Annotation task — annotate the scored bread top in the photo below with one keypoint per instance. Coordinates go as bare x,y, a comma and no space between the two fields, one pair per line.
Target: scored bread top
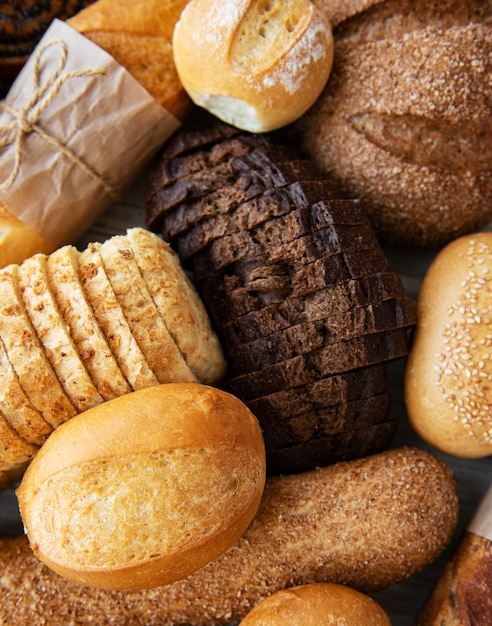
91,343
179,304
144,319
16,406
54,334
112,320
26,353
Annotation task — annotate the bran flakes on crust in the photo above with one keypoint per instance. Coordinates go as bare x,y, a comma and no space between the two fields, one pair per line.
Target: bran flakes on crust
26,354
110,317
92,346
179,304
54,334
143,317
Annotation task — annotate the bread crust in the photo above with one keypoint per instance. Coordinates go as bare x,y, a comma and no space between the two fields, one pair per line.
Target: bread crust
179,305
54,334
26,354
256,66
110,317
340,524
397,149
91,343
323,604
146,323
178,469
448,373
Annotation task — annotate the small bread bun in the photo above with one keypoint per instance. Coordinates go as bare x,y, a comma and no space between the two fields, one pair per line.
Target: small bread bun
18,241
255,64
323,604
449,370
145,489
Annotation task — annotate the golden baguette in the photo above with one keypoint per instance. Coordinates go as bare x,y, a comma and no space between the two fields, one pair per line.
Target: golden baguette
367,523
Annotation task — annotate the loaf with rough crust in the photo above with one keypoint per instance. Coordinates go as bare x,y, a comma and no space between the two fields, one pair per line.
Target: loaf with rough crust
367,523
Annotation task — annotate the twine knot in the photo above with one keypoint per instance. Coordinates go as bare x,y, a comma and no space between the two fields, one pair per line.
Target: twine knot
26,119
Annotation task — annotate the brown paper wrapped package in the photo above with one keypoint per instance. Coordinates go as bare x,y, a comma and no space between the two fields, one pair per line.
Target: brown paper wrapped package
138,36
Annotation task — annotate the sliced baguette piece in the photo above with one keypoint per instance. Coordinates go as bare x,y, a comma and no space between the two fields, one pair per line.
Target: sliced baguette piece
54,333
26,354
112,320
15,452
16,406
144,319
179,304
92,346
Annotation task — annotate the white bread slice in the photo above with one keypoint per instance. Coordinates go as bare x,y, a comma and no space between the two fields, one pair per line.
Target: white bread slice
92,346
144,319
111,319
16,407
54,334
179,304
15,451
26,354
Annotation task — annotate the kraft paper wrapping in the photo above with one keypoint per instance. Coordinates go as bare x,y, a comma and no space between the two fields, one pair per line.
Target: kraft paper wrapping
481,523
75,130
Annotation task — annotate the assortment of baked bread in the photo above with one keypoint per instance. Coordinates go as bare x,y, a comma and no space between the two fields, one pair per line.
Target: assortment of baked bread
79,328
198,411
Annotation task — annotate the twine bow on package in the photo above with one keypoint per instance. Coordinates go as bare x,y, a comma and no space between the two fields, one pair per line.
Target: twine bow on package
76,128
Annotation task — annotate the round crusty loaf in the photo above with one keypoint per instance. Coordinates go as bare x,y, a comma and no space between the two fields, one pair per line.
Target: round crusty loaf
323,604
143,490
449,370
256,65
404,120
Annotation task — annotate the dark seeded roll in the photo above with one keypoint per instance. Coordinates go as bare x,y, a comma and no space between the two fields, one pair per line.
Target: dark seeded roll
298,288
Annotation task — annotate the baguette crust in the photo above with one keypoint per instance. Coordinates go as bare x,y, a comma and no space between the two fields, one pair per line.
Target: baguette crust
367,523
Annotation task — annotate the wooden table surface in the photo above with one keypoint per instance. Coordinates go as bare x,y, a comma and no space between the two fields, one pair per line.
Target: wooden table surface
473,477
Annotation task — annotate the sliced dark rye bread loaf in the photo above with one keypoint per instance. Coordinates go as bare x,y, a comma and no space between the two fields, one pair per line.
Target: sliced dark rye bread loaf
254,219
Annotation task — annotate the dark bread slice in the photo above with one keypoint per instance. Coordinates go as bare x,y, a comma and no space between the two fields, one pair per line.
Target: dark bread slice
316,423
322,393
268,245
273,208
360,322
329,304
228,302
343,356
248,286
331,449
258,151
236,171
189,213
